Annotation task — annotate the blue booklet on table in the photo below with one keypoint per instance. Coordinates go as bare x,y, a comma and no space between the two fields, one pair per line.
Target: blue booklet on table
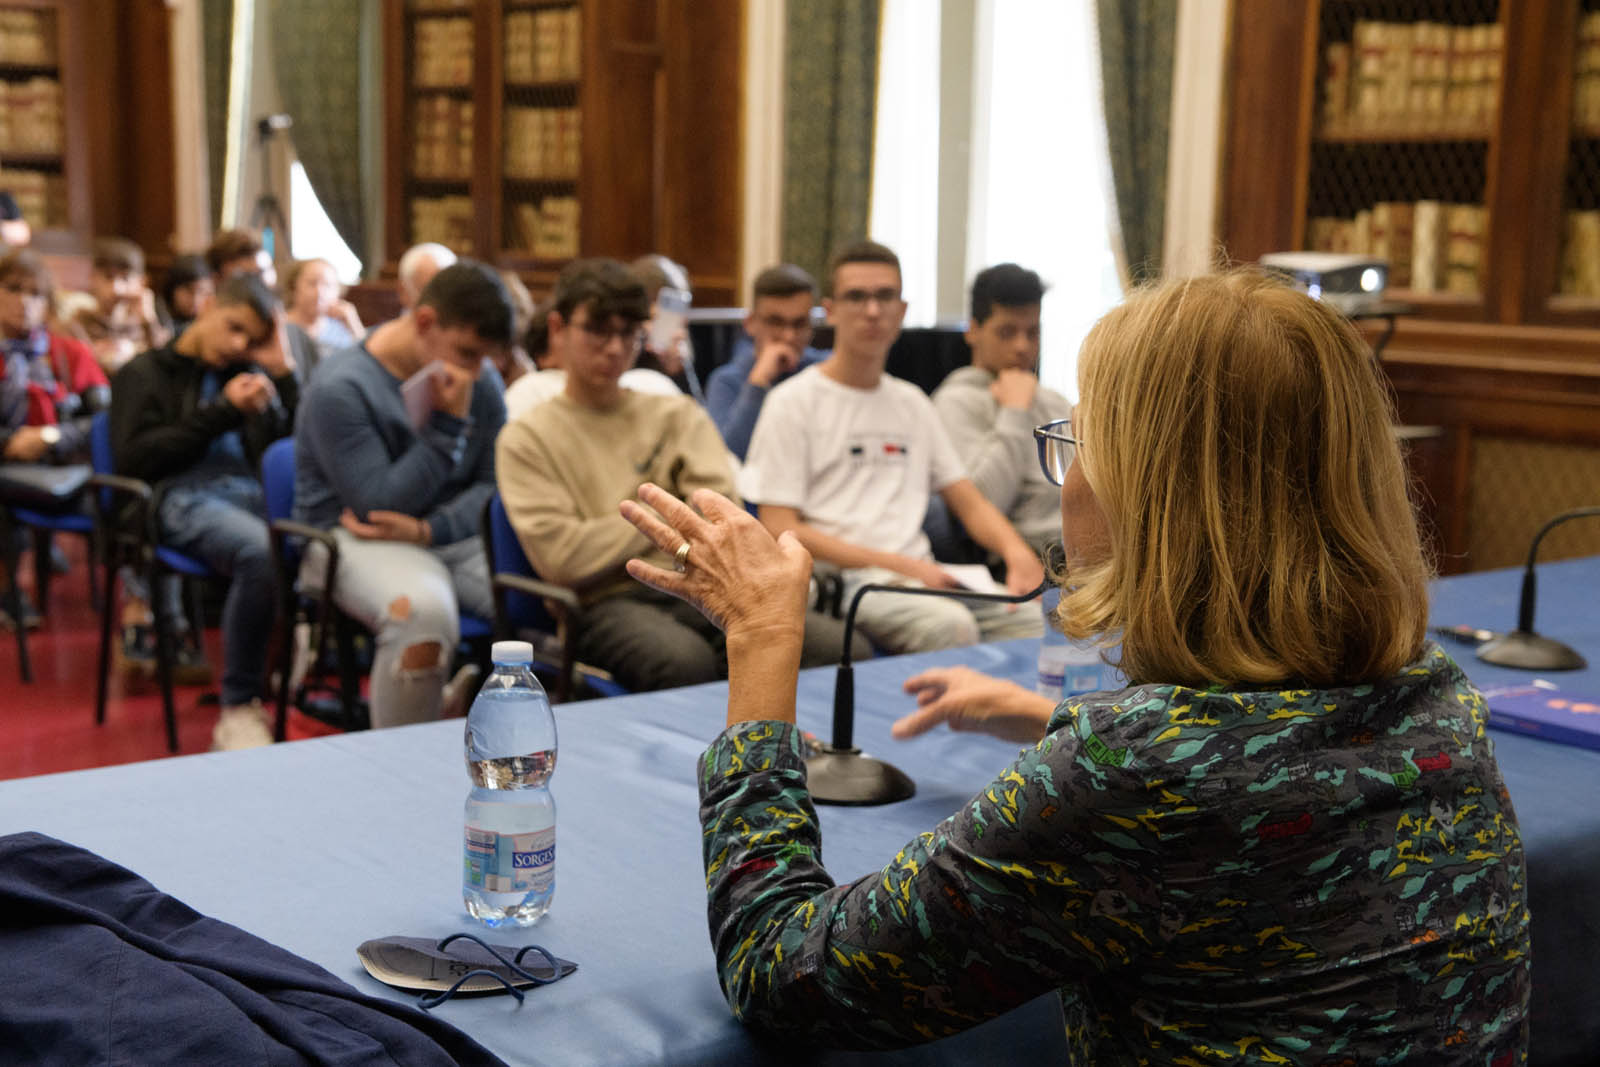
1540,711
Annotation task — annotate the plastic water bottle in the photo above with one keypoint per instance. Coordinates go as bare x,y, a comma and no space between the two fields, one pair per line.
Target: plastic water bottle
1066,667
509,874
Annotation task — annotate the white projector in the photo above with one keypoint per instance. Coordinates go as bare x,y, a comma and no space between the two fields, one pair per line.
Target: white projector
1351,283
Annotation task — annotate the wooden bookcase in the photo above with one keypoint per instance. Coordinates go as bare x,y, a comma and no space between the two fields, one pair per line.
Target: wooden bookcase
43,150
528,132
1514,361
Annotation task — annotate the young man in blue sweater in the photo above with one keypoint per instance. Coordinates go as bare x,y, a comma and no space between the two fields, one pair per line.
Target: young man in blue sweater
778,347
401,473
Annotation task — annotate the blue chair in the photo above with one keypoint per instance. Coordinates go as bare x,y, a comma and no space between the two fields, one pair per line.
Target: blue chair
527,606
289,539
125,510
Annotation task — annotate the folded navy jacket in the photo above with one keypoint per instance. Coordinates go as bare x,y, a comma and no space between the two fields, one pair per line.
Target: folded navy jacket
99,966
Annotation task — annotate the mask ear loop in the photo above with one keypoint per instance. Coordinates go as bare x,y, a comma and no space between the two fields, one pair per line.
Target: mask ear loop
432,1000
514,962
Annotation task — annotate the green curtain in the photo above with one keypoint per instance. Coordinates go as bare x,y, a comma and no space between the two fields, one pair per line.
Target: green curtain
1136,57
216,28
316,50
829,110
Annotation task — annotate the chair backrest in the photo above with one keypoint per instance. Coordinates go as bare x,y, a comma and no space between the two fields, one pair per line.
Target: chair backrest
277,478
506,557
100,444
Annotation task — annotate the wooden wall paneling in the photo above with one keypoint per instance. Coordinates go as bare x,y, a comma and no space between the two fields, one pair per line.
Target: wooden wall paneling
620,100
1527,156
1271,82
702,119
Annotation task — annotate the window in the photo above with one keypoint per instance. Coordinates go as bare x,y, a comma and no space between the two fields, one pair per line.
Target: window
1039,188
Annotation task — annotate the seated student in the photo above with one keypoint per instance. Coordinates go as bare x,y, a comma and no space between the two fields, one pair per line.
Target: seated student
404,499
666,344
240,251
1233,860
119,318
549,376
513,361
50,384
777,346
60,386
845,456
564,466
991,407
192,419
314,300
187,290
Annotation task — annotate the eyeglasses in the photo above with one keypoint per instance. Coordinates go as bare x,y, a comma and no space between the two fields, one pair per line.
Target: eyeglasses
860,298
1057,447
630,334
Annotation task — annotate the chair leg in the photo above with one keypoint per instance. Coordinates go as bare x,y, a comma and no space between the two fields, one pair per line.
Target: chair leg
108,604
13,603
93,538
280,725
164,656
42,571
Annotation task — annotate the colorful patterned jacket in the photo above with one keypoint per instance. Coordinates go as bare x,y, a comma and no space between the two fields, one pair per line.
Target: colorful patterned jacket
1206,876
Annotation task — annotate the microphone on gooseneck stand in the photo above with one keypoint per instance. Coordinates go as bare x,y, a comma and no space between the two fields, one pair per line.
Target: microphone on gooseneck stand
1523,647
839,773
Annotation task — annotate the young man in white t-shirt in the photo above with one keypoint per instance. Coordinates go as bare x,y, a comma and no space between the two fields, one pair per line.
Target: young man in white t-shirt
846,457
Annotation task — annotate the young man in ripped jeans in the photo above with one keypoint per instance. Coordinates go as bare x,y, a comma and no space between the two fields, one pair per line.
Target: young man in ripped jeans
404,499
192,418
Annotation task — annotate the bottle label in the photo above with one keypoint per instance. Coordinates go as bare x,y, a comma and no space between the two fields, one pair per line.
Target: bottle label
510,863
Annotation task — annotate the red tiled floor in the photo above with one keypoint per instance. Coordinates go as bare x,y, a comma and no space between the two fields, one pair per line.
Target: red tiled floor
49,726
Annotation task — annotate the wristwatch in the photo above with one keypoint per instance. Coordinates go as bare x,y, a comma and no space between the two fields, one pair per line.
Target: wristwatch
50,435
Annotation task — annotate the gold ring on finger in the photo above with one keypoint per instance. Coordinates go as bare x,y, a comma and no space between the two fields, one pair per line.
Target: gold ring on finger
680,558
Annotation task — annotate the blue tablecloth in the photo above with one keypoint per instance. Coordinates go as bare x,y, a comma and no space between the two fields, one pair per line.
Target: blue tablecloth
319,845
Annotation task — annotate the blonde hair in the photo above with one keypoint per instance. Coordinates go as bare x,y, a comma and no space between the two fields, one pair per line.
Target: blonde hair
1237,436
291,277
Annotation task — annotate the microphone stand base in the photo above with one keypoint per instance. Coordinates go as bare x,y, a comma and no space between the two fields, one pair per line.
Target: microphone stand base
1530,652
844,776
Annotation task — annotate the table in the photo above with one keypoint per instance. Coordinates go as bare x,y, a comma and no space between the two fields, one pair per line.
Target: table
319,845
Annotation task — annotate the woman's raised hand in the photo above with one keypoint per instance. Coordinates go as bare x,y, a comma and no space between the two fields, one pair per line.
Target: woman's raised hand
737,574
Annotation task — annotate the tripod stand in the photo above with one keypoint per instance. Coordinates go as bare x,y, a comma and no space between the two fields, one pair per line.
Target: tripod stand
267,217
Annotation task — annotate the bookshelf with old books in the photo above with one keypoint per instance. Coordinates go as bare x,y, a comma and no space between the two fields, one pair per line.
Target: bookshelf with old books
528,132
42,158
1460,141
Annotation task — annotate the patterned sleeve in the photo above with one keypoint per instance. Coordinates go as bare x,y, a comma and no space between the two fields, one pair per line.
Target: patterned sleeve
1020,892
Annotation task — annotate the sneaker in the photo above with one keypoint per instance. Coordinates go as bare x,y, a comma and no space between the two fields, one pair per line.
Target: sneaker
136,652
189,665
241,726
458,690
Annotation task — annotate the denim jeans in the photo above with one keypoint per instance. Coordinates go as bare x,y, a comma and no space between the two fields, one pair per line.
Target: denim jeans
407,595
222,522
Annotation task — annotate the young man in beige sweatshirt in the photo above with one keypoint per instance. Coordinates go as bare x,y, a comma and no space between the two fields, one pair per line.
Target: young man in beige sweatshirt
565,465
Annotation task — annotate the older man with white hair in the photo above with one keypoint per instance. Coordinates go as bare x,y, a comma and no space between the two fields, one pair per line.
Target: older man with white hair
417,268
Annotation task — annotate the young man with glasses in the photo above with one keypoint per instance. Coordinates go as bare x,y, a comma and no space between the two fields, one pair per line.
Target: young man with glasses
991,407
777,347
846,457
565,466
395,453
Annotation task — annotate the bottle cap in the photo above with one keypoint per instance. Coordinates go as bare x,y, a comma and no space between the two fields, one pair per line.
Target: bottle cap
511,652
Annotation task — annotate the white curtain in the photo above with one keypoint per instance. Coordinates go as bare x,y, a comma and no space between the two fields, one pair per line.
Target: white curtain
1041,182
1040,187
905,152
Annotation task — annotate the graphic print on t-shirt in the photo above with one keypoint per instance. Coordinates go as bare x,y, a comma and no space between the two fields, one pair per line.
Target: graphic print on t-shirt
878,450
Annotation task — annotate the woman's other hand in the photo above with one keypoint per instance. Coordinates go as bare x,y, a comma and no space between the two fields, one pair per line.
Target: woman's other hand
965,700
